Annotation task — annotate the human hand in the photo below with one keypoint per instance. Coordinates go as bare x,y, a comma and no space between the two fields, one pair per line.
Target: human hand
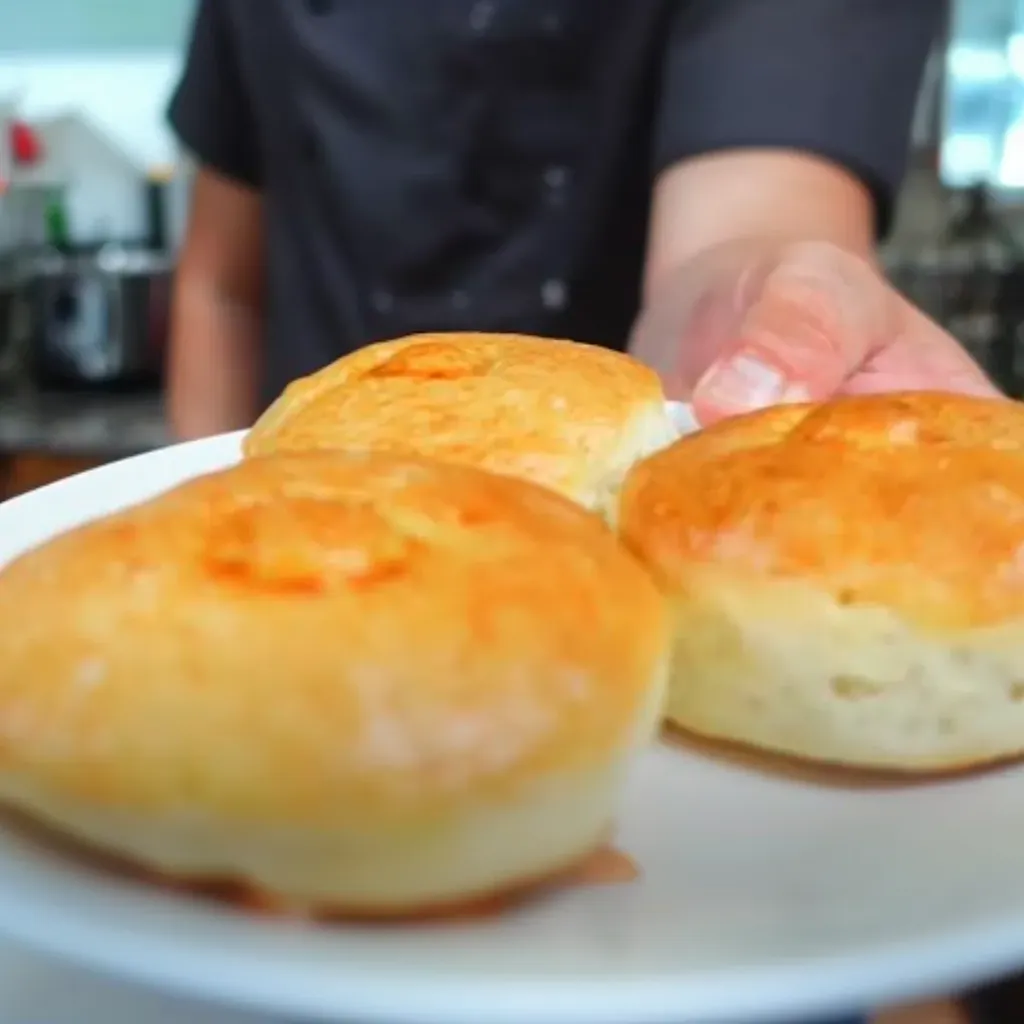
756,323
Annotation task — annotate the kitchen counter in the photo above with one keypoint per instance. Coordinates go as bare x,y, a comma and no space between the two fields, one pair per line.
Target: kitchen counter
101,427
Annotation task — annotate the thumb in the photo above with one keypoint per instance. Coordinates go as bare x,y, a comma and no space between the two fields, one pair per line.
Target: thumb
817,315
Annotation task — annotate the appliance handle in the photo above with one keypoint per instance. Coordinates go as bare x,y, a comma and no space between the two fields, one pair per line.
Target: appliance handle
115,322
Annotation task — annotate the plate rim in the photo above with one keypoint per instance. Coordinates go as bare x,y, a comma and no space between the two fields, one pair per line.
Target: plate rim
843,983
886,973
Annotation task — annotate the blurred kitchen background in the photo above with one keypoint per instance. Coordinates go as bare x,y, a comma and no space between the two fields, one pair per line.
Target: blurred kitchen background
92,201
93,195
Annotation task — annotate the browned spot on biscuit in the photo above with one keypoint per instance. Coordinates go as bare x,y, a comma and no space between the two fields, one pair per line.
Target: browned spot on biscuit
433,360
305,545
607,866
604,866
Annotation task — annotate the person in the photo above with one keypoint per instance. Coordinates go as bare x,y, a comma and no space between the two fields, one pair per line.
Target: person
701,181
704,180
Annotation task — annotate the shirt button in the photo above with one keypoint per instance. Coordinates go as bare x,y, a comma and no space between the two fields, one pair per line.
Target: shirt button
551,23
460,299
554,294
381,300
481,15
555,179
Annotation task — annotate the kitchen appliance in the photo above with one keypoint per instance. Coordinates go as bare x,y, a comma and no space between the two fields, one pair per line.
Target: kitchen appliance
13,315
971,281
9,293
98,320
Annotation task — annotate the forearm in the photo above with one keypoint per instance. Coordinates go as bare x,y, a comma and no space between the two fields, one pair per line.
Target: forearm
769,194
214,362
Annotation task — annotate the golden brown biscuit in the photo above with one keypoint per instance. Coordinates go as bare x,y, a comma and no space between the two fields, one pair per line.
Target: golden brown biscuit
572,417
359,683
848,578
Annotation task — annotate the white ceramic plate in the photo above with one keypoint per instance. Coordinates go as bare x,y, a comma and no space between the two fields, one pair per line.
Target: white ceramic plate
761,899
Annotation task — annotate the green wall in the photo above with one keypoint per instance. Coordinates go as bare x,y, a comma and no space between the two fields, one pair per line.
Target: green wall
81,27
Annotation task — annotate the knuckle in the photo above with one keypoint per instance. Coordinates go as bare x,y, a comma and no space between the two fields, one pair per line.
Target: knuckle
832,261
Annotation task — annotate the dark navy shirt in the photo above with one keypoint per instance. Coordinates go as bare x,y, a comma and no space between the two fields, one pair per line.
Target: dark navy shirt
488,164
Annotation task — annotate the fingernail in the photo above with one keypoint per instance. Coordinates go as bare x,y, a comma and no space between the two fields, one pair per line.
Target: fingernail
795,394
745,381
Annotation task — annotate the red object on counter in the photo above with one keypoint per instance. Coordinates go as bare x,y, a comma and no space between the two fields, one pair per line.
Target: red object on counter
26,146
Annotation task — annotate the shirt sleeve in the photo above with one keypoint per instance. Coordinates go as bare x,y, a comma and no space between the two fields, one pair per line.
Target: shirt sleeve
209,111
837,78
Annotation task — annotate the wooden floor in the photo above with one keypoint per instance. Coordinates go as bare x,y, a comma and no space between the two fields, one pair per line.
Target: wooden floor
944,1012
